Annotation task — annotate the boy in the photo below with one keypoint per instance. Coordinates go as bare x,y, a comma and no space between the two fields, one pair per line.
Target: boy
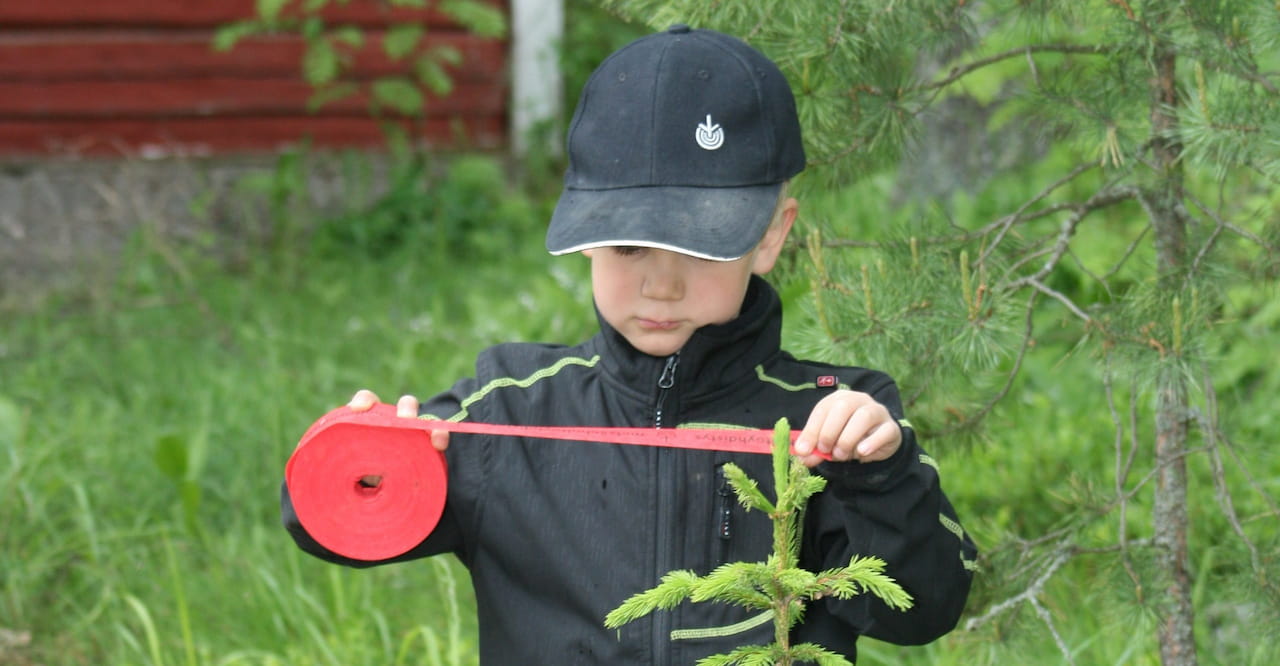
679,151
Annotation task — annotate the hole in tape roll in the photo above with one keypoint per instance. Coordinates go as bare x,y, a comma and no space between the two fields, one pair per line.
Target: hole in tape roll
369,484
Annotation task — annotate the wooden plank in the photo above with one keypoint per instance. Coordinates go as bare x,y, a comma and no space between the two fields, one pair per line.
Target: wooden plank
207,97
68,55
207,136
197,13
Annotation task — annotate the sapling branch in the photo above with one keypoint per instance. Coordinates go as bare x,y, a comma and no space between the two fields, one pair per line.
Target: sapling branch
778,584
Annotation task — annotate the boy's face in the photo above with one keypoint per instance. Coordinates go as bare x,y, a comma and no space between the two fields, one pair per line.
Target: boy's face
657,298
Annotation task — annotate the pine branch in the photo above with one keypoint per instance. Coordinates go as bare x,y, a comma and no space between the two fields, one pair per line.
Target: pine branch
1102,199
675,587
961,71
1031,591
1061,298
972,420
1249,75
1128,253
747,490
1226,224
1043,613
1209,427
1002,226
1123,464
776,584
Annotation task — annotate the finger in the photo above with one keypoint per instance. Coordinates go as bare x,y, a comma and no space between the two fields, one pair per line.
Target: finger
861,422
812,460
440,439
833,427
808,438
407,407
881,443
363,400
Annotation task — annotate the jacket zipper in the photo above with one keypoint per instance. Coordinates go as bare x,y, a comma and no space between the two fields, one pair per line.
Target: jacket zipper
665,382
662,621
724,513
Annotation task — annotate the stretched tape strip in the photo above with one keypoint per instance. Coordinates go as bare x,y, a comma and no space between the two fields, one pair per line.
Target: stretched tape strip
369,485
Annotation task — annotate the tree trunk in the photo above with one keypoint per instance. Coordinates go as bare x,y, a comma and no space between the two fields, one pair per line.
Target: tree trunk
1177,637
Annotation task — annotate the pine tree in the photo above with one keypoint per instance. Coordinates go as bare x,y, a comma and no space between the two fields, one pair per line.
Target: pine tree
777,585
1100,172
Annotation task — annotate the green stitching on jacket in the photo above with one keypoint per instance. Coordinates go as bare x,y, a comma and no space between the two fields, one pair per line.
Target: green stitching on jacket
508,382
713,426
728,630
952,526
760,374
955,528
928,460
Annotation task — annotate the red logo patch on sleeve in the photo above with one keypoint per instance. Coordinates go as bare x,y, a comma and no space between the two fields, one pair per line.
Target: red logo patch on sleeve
827,381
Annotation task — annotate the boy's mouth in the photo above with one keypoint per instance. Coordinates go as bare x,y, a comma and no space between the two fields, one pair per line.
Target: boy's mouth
657,324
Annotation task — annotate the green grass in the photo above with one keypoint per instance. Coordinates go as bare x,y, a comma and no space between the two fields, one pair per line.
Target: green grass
145,421
143,433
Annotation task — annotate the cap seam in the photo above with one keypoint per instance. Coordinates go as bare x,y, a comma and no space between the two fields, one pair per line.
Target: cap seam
771,167
653,109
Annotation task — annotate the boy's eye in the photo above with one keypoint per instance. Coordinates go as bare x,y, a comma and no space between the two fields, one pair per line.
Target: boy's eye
627,250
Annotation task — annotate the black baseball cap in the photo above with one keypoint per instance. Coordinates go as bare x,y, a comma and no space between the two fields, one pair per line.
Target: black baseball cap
681,141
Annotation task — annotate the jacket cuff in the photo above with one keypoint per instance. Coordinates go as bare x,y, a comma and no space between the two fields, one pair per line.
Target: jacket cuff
873,476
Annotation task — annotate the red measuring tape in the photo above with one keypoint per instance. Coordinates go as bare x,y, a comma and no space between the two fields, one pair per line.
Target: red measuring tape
369,485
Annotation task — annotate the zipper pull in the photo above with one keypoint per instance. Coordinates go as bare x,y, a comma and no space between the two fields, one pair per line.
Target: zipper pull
666,381
668,378
724,530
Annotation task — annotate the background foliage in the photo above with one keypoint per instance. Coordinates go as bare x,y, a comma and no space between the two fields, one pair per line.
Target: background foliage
145,417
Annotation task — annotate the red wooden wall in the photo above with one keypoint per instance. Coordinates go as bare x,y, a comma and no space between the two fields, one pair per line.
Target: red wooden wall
139,77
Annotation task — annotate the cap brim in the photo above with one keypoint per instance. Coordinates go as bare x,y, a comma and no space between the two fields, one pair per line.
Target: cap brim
717,223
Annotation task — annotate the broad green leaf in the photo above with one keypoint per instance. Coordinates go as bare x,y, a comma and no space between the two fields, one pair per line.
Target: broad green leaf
226,36
312,28
351,35
401,40
269,10
399,94
320,63
433,76
447,55
171,456
331,93
481,19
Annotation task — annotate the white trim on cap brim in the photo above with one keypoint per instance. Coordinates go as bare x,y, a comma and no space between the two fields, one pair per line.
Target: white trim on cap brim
641,243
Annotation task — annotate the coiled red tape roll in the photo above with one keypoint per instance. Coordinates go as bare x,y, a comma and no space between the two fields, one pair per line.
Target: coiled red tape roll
369,485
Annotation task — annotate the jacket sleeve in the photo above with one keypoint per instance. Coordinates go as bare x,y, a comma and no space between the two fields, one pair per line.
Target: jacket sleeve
448,535
896,510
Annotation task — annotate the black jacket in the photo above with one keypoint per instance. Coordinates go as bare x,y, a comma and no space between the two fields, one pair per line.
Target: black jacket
557,534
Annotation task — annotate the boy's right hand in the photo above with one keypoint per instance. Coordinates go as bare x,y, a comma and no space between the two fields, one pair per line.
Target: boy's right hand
406,408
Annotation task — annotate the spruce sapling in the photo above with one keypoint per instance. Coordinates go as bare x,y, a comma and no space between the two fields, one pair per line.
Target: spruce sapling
777,585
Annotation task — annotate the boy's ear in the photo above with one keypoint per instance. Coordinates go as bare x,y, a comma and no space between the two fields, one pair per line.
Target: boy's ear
775,237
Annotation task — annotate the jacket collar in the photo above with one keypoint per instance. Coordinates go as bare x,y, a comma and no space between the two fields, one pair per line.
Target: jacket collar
714,357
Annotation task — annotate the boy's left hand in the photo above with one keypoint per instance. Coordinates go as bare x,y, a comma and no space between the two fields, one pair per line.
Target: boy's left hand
849,425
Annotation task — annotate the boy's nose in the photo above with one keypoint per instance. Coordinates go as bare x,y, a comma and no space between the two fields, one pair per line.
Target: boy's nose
662,282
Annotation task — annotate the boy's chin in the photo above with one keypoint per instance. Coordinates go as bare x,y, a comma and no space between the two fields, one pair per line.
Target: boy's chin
660,345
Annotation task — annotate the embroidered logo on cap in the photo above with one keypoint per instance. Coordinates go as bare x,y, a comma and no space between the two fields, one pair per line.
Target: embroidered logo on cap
710,136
